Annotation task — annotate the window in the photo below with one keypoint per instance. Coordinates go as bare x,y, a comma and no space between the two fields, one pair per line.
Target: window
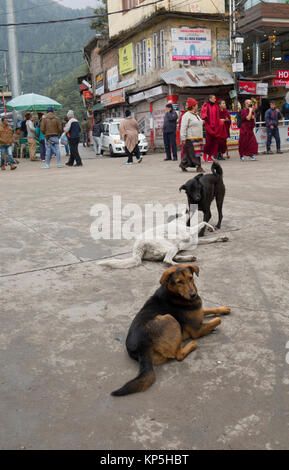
159,49
128,4
142,57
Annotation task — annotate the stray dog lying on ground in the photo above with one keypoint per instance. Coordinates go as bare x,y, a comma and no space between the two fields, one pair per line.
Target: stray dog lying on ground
153,248
202,190
173,314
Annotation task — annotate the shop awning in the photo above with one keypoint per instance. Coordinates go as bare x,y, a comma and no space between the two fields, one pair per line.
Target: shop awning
98,107
198,77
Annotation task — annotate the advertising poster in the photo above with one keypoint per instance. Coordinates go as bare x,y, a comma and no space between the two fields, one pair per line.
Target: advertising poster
99,84
126,59
112,78
191,44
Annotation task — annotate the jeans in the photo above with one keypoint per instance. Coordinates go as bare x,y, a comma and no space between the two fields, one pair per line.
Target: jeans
273,133
97,144
8,149
85,138
42,149
74,154
170,142
52,148
67,149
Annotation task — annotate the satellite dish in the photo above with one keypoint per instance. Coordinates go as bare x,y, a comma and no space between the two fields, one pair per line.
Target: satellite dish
287,97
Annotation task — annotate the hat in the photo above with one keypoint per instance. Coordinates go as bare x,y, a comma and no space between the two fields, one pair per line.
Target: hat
50,110
70,113
169,105
127,113
191,102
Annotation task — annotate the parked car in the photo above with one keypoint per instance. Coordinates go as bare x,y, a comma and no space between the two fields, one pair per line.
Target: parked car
110,139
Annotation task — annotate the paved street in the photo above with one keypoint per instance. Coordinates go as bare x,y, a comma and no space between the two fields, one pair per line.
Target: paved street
64,319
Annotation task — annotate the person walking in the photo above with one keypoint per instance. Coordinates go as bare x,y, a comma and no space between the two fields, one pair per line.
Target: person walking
41,138
72,130
97,130
272,117
226,118
285,112
169,132
215,128
31,137
85,132
51,127
192,137
247,141
6,141
128,132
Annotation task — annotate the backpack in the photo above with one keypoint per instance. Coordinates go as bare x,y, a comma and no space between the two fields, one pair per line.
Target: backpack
239,120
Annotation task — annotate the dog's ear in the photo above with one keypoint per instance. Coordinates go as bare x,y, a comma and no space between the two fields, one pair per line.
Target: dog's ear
166,276
184,187
193,268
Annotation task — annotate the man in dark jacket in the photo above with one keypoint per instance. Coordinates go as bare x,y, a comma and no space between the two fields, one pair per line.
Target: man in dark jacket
72,130
169,132
98,129
51,127
272,117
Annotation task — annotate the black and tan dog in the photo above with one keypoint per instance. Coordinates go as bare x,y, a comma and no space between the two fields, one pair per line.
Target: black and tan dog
172,315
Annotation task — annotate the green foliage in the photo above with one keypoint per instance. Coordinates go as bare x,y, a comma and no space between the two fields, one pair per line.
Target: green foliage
66,92
100,24
39,72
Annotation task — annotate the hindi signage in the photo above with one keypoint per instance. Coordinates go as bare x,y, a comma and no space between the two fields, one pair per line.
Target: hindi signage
191,44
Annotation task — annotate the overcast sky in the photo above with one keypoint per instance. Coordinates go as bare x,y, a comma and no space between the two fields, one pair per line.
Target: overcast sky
78,3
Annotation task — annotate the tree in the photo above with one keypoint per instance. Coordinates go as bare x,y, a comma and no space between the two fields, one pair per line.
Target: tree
100,24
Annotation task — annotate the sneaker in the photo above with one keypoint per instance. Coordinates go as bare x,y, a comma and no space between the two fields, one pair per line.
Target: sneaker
45,166
167,159
279,151
253,158
242,159
59,165
69,164
139,159
128,163
269,152
13,167
78,164
3,167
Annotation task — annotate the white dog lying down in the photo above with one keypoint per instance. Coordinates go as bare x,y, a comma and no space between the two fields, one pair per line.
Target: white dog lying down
153,246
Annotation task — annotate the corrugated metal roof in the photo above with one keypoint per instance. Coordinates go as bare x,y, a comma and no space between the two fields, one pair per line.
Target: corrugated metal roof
197,77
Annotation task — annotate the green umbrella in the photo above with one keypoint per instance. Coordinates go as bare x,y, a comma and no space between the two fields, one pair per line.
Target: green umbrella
32,102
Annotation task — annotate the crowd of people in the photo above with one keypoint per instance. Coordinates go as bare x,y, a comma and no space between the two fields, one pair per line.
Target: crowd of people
48,132
213,120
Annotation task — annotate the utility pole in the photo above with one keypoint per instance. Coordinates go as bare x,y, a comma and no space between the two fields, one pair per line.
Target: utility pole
6,75
13,50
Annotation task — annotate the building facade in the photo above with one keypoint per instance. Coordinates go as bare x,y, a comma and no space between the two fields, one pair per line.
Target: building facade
165,52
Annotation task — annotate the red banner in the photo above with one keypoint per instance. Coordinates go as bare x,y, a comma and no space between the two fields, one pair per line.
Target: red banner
248,88
283,74
277,82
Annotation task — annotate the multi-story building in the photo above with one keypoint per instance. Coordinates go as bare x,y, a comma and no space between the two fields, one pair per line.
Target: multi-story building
159,52
265,25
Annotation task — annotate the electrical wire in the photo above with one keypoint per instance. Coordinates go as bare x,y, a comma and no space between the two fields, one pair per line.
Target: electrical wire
44,53
79,18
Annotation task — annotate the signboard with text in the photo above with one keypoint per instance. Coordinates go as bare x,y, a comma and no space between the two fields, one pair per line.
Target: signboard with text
283,74
191,44
112,78
126,59
277,82
253,88
114,97
99,84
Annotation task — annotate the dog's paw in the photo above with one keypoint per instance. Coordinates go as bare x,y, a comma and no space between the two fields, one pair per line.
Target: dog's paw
224,239
226,310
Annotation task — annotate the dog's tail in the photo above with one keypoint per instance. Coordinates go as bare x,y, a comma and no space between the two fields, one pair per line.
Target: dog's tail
143,381
132,262
216,169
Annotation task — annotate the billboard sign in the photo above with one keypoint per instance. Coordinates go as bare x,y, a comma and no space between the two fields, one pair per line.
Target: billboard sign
99,84
191,44
126,59
283,74
114,97
253,88
277,82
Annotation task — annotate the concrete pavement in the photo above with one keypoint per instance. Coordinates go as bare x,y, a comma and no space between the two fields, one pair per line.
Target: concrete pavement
64,319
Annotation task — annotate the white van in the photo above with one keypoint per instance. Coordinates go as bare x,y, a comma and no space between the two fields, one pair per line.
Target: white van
110,139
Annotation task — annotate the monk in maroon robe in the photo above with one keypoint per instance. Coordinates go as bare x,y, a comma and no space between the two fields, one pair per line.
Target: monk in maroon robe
215,128
226,118
248,144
